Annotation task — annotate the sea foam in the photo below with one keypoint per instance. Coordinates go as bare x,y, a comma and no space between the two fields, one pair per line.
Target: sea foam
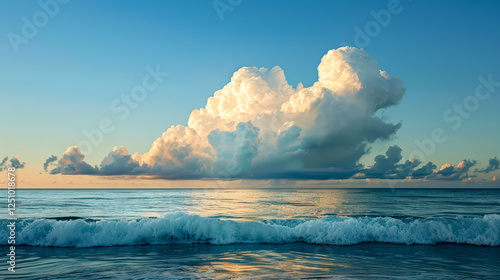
185,228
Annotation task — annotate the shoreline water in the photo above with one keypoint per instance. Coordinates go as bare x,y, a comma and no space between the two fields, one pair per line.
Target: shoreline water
260,261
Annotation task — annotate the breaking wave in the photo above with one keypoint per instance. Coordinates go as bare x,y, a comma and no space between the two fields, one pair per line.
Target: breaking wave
185,228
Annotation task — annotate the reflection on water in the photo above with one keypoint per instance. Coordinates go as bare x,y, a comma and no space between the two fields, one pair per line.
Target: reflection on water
256,261
286,261
269,204
254,204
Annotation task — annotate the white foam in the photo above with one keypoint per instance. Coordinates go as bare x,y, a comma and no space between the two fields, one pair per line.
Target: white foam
185,228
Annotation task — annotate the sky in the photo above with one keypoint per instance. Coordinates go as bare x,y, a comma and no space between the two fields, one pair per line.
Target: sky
67,65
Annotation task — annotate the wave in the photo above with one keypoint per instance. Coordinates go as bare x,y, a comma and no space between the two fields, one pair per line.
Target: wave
184,228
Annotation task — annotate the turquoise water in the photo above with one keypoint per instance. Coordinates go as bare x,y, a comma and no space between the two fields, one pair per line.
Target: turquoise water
256,234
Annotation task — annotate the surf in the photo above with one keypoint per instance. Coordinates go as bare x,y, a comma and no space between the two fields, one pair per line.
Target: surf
185,228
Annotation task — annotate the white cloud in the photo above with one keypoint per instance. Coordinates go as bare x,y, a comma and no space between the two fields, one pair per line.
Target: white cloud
258,126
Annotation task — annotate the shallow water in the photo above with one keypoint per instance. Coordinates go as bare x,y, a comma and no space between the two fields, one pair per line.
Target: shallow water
261,261
262,234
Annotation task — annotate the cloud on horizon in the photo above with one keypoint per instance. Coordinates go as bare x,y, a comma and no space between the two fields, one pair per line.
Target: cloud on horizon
388,166
450,172
48,162
14,162
260,127
494,164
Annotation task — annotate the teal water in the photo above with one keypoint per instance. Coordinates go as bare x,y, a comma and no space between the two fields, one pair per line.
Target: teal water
256,234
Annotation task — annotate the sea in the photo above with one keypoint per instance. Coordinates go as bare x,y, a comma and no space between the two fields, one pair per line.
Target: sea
253,234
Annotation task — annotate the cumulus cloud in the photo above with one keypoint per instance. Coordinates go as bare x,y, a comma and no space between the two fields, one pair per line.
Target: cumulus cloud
72,162
13,162
48,162
258,126
388,166
451,172
385,165
424,171
119,162
494,164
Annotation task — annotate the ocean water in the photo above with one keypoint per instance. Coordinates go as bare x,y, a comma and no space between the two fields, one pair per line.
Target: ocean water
255,234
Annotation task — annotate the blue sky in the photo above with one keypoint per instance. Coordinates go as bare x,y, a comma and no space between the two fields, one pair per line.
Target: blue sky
91,52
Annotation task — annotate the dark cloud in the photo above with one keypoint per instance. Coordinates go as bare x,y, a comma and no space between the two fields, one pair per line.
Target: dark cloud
449,172
72,162
494,164
48,162
2,164
120,162
424,171
311,174
388,166
385,165
14,162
